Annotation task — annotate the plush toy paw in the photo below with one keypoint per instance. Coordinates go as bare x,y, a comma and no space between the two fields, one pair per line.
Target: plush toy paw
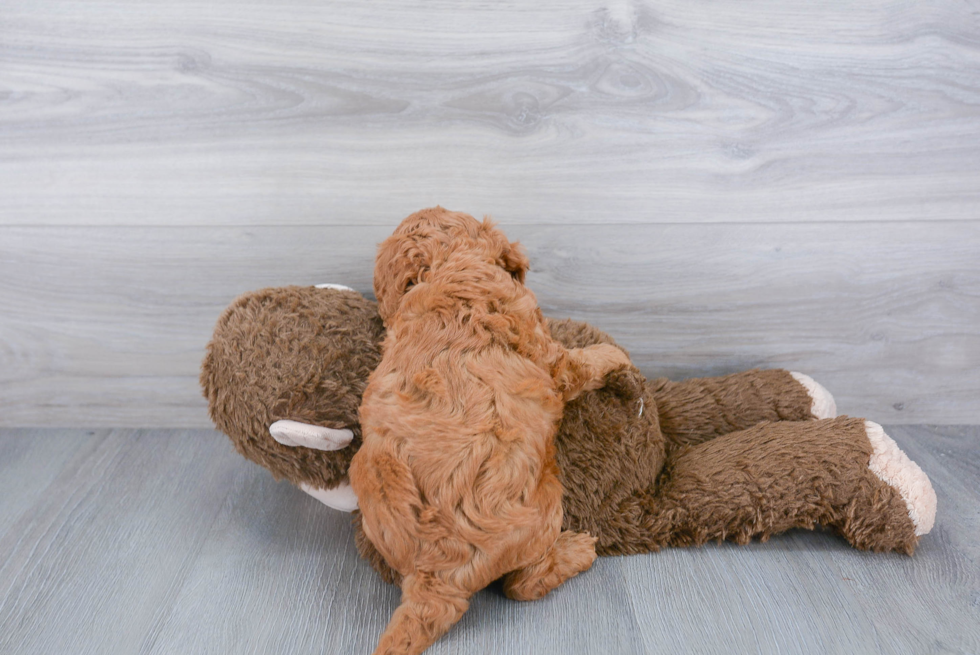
341,497
294,433
893,467
823,403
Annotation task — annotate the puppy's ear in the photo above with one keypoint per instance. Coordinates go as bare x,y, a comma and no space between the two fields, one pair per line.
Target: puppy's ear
515,261
397,268
509,256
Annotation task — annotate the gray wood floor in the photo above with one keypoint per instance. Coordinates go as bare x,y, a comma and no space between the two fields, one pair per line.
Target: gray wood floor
166,541
720,185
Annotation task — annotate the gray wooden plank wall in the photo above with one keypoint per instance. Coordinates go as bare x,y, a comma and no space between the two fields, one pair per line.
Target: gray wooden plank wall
718,185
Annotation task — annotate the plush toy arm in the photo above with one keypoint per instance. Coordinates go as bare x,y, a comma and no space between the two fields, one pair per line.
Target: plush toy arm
294,433
700,409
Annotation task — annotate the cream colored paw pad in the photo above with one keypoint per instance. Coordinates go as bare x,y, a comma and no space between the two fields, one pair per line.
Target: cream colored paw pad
341,497
893,467
823,405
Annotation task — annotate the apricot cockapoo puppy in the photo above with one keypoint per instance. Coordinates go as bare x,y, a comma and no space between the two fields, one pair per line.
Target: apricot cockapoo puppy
456,478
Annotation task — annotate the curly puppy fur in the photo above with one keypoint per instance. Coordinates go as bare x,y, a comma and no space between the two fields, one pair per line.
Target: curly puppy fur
456,476
706,460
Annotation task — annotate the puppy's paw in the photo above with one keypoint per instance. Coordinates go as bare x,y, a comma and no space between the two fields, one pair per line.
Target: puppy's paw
627,383
609,357
571,554
575,551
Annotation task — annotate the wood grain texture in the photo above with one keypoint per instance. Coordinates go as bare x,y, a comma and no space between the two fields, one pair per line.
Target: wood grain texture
108,326
772,183
558,111
166,541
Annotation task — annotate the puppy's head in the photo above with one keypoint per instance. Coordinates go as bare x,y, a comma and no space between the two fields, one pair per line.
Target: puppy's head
425,240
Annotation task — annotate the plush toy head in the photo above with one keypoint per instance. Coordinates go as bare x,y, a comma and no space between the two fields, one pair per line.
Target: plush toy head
304,354
293,353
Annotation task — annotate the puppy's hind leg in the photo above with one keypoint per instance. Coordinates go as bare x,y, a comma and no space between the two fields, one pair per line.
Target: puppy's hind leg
428,609
571,554
586,368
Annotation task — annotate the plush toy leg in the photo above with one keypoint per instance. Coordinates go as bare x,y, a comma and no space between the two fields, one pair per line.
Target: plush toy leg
823,405
893,467
844,473
700,409
571,554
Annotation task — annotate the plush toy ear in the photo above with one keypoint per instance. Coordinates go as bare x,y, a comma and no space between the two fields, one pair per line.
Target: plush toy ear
399,263
509,256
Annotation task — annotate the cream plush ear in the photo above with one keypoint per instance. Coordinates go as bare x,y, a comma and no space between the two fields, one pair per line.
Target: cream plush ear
294,433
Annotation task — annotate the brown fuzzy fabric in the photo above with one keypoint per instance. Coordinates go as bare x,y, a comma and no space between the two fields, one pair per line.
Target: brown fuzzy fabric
607,452
700,409
733,458
764,480
298,353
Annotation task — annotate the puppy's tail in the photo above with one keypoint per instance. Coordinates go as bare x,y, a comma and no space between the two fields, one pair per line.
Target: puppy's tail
429,608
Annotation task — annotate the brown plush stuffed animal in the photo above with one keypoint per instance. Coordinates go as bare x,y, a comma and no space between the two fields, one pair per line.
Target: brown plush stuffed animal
643,464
